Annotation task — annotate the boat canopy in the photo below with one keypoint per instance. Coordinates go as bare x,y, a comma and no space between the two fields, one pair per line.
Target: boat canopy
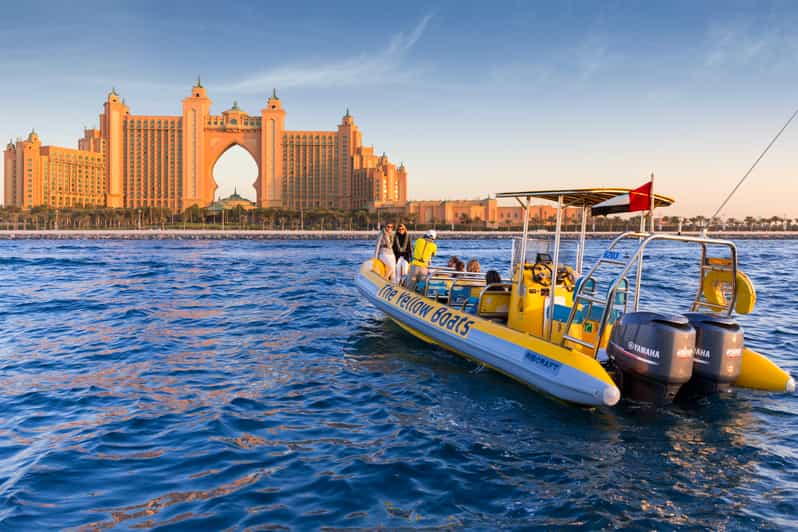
581,197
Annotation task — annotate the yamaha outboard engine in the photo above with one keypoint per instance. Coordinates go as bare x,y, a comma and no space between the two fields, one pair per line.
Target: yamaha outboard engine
653,353
718,353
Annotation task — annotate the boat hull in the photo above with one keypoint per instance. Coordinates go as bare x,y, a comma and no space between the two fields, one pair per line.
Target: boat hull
550,368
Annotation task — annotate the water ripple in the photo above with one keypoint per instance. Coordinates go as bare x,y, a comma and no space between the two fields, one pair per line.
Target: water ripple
244,384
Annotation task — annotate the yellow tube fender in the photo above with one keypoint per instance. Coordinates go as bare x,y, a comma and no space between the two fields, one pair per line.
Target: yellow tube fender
378,267
758,372
714,281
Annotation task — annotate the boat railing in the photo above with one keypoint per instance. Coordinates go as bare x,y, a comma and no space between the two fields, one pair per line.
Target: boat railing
620,282
474,280
452,271
504,286
448,276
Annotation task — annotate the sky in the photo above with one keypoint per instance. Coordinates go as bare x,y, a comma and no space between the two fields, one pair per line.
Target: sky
474,97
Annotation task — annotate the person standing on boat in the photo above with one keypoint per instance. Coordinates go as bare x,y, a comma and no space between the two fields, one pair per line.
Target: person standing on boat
385,251
423,251
401,250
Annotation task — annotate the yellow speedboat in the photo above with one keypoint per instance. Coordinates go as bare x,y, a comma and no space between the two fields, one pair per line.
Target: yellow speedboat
582,338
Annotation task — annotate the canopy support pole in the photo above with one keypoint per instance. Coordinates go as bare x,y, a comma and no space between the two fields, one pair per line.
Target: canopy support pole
580,252
523,246
651,203
555,266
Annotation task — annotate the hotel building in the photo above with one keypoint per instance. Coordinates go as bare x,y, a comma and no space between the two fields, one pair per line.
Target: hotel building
484,212
167,161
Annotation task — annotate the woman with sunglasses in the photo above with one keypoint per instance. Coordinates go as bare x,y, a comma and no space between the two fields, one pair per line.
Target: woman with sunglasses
385,251
401,250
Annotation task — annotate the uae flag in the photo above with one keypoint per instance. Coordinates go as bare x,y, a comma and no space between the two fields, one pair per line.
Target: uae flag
638,199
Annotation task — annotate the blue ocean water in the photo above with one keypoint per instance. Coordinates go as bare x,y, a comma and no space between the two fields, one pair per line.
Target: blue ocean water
213,384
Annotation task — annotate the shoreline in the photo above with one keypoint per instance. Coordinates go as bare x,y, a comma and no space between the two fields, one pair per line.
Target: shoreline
240,234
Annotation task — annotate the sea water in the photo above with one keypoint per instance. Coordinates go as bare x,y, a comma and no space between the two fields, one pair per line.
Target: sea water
236,383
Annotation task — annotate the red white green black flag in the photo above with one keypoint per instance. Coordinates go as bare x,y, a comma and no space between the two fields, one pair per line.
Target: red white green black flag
638,199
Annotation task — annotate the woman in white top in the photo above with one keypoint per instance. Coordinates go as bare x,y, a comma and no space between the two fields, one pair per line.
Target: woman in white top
385,251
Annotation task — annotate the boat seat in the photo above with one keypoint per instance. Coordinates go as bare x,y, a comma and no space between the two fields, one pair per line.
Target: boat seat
494,302
458,295
461,293
438,289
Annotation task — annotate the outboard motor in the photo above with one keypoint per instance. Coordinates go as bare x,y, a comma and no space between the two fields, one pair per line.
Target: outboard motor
653,353
718,353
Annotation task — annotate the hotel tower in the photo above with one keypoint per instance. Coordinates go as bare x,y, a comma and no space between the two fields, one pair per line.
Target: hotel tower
167,161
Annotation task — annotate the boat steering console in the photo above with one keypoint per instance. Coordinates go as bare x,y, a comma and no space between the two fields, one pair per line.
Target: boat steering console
542,272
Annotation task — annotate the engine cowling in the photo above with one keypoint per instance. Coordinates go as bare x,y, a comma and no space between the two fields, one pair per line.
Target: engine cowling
718,353
653,355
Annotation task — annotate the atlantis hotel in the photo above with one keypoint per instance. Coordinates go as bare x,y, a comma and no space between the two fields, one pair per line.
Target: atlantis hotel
167,161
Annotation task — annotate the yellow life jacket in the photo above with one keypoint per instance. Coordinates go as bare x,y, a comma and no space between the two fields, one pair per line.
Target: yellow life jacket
423,251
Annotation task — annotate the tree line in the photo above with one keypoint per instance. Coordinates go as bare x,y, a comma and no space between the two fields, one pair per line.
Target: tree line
38,218
191,218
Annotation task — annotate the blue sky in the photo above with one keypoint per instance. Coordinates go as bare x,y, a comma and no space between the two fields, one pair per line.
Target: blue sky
475,98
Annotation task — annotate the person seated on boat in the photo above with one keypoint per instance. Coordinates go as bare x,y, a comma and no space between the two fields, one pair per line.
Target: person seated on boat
385,251
453,260
459,266
492,277
423,251
473,266
401,250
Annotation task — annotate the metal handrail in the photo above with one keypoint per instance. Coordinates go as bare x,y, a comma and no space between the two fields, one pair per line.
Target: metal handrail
448,274
432,277
451,271
637,258
461,281
503,284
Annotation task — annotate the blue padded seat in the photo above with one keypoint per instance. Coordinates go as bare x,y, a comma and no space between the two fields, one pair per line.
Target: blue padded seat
438,288
459,295
471,305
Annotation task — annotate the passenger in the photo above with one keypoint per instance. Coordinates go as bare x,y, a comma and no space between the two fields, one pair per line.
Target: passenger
492,277
385,251
401,250
423,251
459,267
473,266
453,260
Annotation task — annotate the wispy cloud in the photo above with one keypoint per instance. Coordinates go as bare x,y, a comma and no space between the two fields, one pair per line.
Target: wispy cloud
592,56
381,66
736,44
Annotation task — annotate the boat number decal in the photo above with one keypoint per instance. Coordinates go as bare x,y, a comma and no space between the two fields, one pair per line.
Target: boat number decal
548,365
439,316
612,255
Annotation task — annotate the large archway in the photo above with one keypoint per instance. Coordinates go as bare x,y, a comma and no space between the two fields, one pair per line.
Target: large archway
235,170
218,143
